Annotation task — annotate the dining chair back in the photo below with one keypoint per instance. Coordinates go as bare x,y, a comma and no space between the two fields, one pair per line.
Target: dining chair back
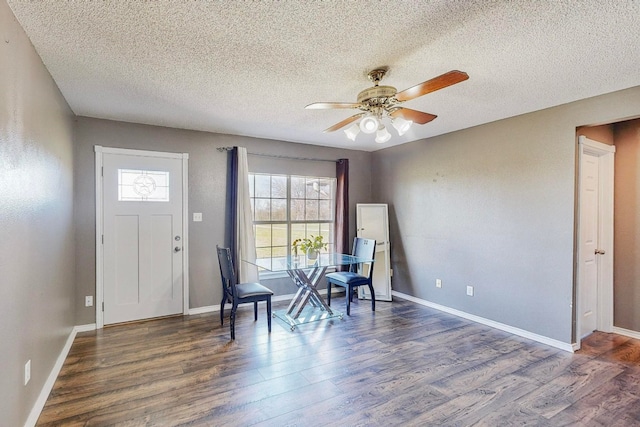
239,293
360,274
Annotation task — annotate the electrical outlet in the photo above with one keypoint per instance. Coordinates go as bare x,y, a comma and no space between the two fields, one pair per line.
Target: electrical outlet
470,291
88,301
438,283
27,372
197,216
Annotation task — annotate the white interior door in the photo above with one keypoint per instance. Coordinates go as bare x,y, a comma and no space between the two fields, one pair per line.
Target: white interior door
594,297
143,268
373,223
589,199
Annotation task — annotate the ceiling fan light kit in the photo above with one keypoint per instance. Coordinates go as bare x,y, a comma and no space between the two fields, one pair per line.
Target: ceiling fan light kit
379,102
401,125
352,131
382,135
369,124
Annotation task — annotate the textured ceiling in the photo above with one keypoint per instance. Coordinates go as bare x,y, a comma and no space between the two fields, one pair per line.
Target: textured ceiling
250,67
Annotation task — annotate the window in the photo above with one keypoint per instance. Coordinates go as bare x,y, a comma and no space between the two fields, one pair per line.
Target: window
143,186
286,208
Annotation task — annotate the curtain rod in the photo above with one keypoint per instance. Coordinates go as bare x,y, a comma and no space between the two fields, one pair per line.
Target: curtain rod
275,156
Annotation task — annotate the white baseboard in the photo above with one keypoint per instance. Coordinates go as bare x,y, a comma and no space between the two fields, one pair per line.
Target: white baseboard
510,329
626,332
205,309
36,410
85,328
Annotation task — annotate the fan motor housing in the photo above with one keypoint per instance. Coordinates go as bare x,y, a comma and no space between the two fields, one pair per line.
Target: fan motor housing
376,92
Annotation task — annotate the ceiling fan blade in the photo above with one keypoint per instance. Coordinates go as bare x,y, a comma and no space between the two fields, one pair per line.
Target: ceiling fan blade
344,123
413,115
332,105
436,83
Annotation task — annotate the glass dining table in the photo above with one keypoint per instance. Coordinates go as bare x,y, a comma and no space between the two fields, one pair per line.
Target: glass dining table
307,304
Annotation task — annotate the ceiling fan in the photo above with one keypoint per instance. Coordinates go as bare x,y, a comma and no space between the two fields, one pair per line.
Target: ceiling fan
385,101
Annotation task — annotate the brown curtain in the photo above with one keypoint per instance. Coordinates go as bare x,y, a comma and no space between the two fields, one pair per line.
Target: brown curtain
342,207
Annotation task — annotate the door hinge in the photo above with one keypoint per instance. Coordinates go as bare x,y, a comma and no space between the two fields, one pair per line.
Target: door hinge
102,171
102,306
103,239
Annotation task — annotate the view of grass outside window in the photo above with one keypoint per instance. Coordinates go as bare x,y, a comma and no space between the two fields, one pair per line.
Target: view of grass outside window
286,208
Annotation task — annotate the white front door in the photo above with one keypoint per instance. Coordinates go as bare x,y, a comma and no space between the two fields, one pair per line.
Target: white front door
372,222
142,202
589,199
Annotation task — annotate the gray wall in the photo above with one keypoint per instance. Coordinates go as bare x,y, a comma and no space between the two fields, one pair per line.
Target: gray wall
625,136
493,207
207,184
626,273
36,221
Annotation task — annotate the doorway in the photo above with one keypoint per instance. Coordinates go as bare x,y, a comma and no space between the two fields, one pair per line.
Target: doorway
141,235
594,238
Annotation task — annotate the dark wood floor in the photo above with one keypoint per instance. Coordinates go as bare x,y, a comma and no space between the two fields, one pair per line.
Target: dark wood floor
404,365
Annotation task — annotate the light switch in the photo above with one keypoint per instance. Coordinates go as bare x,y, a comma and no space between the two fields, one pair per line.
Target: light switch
197,216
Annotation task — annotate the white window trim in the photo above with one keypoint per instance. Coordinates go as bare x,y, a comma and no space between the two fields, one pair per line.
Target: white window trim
270,274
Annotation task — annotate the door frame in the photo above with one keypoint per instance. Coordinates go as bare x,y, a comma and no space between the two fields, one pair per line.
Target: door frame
604,312
100,150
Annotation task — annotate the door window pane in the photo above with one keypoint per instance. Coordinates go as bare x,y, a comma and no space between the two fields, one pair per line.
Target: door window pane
143,186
